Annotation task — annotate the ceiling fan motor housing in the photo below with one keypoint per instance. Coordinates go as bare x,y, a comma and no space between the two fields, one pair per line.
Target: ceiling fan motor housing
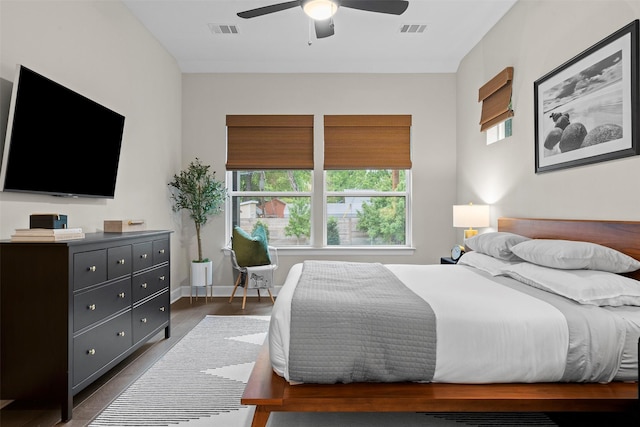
320,9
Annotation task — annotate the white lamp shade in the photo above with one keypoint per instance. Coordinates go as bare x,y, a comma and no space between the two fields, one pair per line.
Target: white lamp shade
320,9
471,215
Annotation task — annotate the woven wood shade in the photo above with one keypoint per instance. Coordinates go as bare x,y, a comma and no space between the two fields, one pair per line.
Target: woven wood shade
367,142
495,96
263,142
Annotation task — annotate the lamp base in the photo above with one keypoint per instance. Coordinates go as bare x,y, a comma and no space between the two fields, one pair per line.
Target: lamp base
470,233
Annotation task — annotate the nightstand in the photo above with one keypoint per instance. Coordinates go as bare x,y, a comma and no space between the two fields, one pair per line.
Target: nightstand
447,260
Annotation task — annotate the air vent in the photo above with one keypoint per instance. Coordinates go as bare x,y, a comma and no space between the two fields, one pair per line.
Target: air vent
413,28
224,28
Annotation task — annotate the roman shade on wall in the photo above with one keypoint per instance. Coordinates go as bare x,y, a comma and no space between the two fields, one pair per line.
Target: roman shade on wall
262,142
367,142
495,96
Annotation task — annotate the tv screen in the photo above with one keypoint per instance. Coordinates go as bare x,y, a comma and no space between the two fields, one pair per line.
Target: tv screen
59,142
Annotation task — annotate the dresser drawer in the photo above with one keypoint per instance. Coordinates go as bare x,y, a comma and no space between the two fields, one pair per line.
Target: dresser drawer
150,282
94,305
119,261
160,251
150,315
98,346
142,256
89,268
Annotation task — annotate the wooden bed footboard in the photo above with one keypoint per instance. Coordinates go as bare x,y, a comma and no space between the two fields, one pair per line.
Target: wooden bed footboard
271,393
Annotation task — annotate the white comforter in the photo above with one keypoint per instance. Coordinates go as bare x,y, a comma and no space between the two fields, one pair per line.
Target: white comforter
486,332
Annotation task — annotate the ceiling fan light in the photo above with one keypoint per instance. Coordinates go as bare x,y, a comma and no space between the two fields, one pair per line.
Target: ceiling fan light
320,9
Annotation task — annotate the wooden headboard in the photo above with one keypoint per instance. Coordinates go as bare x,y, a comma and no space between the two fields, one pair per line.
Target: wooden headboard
623,236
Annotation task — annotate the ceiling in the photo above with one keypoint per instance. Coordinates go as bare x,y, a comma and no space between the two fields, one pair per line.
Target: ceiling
285,42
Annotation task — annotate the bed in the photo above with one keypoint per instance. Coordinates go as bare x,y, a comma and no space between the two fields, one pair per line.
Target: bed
614,390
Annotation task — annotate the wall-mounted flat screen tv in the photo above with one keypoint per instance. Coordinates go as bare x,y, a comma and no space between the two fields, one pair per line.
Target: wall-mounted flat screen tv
59,142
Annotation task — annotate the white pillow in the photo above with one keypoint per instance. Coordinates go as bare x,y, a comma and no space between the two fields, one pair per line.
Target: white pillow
497,244
570,255
590,287
489,264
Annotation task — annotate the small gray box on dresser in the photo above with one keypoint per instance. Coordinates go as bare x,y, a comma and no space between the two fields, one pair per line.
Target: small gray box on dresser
72,310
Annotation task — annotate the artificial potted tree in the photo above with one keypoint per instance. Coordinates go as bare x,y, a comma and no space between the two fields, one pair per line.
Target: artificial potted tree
197,190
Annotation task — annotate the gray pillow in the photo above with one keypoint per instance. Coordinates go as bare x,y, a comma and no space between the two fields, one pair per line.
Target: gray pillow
572,255
592,287
497,244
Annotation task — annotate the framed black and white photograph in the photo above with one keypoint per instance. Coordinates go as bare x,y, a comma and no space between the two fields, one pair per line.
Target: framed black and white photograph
586,110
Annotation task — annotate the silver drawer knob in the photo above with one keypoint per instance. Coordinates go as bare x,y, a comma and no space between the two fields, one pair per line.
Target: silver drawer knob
144,286
91,352
143,320
121,294
121,334
161,308
161,278
121,261
92,268
143,256
161,251
91,307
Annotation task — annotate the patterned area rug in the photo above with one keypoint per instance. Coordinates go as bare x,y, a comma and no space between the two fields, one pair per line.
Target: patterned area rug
199,382
201,378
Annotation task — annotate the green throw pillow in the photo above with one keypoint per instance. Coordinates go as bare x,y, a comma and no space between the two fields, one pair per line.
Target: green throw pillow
250,250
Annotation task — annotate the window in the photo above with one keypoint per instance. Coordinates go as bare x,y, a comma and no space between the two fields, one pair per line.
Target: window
365,190
367,162
269,164
279,200
499,132
495,96
366,207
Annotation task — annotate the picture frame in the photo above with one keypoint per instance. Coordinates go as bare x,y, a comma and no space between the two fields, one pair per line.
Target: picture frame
586,110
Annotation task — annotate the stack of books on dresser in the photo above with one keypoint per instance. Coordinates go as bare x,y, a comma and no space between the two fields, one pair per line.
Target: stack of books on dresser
46,234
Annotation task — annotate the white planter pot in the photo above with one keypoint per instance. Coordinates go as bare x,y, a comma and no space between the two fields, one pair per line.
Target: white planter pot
202,274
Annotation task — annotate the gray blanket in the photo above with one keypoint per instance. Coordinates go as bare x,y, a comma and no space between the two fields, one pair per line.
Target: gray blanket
379,332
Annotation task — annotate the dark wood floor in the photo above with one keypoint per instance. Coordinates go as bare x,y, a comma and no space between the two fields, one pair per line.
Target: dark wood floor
90,402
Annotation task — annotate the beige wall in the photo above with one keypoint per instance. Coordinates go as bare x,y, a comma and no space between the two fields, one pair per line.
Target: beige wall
99,49
429,98
535,37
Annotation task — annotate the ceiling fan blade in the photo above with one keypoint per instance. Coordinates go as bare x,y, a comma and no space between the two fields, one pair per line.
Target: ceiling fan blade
268,9
324,28
393,7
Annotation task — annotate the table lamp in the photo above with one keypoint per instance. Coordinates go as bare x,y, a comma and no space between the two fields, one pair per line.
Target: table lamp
470,216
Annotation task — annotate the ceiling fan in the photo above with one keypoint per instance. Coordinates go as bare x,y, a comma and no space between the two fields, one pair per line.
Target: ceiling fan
322,11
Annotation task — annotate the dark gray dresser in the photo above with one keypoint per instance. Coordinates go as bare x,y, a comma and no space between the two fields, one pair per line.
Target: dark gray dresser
71,310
